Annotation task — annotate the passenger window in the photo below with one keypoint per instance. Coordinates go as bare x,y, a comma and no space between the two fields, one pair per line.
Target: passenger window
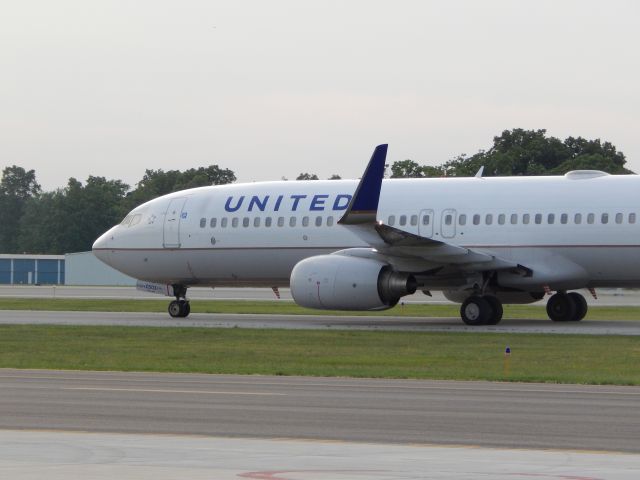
525,218
234,222
564,218
632,218
514,218
203,222
538,218
292,221
591,218
426,219
488,219
462,219
403,220
392,220
577,218
329,221
551,218
448,219
476,219
213,222
267,222
605,218
501,219
318,221
305,221
256,222
281,221
245,222
223,222
618,218
414,220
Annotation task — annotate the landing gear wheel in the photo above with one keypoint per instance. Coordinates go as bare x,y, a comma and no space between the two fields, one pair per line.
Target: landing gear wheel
476,311
186,308
561,308
179,308
581,306
496,307
175,309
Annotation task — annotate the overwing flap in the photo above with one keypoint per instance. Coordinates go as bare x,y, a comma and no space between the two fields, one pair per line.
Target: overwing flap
408,244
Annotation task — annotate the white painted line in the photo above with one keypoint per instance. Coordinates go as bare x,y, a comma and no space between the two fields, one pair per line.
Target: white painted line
197,392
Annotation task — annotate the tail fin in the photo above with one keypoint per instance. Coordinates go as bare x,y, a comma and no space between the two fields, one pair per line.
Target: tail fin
363,207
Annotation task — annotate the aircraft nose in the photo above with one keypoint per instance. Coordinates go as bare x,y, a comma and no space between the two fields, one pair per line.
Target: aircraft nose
101,247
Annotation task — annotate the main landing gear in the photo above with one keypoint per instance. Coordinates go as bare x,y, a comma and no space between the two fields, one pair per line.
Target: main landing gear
481,310
180,307
567,307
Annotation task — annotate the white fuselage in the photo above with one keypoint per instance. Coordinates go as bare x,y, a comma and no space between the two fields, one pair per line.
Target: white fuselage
582,229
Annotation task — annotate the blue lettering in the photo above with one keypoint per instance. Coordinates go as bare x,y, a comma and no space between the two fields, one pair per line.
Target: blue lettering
317,204
341,202
296,200
260,204
278,202
229,208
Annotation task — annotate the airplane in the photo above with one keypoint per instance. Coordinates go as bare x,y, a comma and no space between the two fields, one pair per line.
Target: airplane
363,245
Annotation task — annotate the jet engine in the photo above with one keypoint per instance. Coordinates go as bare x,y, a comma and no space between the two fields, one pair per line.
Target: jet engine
339,282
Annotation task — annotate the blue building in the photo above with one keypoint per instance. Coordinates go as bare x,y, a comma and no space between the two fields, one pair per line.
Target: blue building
32,269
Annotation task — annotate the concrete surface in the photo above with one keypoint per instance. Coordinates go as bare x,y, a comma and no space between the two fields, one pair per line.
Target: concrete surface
229,320
30,455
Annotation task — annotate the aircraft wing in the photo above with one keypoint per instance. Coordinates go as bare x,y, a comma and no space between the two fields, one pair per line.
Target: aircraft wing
361,217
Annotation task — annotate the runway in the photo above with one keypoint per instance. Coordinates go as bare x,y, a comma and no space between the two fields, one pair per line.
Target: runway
228,320
106,424
362,410
606,297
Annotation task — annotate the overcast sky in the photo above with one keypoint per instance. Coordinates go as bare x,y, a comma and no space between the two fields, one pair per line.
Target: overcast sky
275,88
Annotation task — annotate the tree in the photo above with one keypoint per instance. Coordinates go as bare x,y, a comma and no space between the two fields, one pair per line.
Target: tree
70,219
525,152
307,176
16,188
335,176
406,169
155,183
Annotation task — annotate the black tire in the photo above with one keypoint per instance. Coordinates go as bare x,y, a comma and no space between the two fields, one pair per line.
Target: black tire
476,311
185,307
497,310
581,306
561,308
175,309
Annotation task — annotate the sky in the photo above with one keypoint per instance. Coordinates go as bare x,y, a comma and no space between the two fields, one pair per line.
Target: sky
273,89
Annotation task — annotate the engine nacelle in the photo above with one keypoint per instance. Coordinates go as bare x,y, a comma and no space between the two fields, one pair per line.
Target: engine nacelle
339,282
459,296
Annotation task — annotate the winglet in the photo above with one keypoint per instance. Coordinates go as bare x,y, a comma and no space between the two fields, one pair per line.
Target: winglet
363,207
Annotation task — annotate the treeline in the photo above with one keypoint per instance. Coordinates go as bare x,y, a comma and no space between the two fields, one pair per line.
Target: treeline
71,218
524,152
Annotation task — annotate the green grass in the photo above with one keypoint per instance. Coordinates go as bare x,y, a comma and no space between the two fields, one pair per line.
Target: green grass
459,356
289,308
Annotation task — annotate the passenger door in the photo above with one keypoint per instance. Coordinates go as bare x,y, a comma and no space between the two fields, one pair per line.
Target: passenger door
172,221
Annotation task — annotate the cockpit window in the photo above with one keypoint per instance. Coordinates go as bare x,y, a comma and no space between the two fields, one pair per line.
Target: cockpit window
135,219
126,220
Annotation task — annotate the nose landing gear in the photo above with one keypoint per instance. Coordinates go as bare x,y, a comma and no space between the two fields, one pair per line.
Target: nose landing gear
180,307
